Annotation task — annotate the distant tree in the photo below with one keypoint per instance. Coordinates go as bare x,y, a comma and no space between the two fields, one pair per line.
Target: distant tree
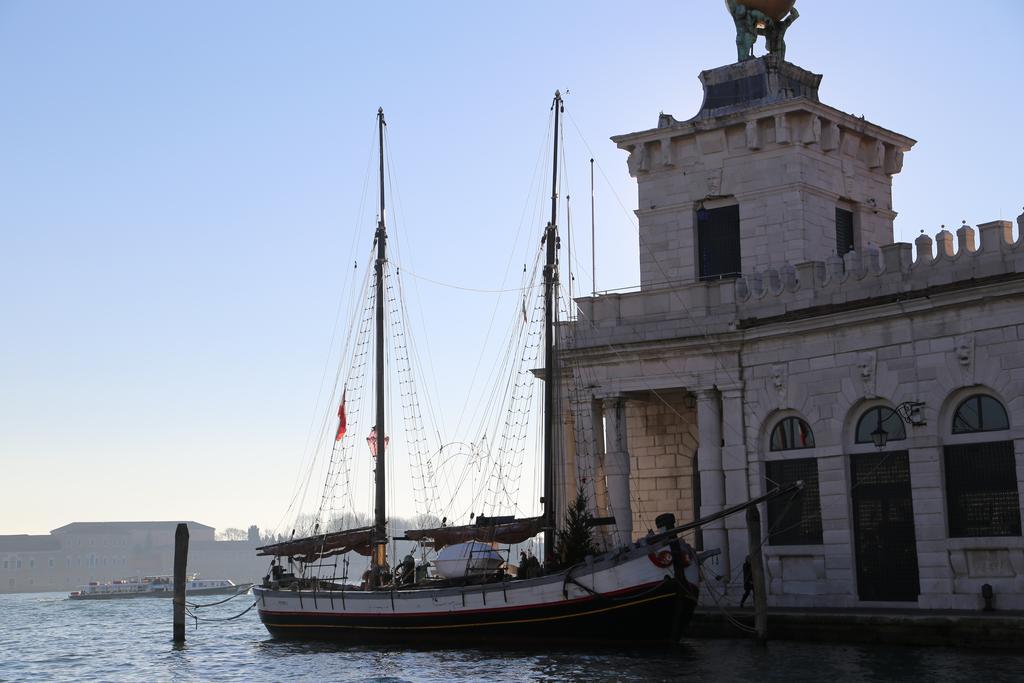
425,521
307,524
348,520
232,534
575,541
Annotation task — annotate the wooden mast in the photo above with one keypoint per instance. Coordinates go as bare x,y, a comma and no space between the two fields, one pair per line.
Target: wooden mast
380,534
550,369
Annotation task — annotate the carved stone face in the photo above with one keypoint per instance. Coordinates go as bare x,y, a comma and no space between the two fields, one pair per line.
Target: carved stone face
964,350
865,367
778,376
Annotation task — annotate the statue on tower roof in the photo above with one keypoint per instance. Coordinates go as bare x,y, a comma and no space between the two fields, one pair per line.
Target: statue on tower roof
768,18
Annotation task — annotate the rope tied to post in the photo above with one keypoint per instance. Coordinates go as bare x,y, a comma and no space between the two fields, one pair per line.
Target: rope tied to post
198,618
219,602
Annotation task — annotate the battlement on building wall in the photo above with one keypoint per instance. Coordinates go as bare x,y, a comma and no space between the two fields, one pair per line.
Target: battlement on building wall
678,310
883,271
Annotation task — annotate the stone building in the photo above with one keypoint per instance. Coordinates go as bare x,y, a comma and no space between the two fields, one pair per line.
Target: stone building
80,552
779,334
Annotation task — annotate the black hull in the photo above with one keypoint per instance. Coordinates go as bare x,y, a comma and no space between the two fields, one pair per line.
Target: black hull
638,617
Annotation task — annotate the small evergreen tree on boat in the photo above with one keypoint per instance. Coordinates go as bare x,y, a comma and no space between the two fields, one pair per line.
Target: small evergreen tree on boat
576,540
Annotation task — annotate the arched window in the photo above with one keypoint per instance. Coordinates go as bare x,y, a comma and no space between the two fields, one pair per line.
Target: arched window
880,418
791,433
796,520
980,413
981,478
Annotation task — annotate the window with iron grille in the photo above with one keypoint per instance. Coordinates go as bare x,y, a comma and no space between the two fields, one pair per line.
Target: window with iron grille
981,490
718,242
844,231
884,540
794,520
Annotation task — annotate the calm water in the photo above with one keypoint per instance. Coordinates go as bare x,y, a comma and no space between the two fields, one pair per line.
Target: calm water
44,636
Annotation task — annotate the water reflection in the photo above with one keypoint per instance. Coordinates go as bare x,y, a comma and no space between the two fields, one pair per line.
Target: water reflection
44,637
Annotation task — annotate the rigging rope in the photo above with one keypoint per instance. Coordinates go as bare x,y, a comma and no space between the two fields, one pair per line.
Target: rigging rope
219,602
465,289
198,618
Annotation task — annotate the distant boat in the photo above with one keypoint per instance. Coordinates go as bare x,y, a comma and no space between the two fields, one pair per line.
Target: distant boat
155,587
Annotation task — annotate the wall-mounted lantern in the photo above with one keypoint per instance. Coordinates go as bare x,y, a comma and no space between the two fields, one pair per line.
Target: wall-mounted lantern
908,411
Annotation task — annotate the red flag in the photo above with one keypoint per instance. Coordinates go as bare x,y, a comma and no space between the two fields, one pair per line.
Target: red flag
341,419
371,441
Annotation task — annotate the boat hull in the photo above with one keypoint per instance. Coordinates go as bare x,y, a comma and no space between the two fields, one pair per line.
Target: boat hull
637,616
621,600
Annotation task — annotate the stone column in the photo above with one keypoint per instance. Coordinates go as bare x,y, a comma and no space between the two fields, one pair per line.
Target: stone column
600,483
585,451
570,467
937,578
616,468
737,483
712,478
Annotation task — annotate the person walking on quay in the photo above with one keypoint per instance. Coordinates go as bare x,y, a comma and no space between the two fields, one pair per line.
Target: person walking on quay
748,581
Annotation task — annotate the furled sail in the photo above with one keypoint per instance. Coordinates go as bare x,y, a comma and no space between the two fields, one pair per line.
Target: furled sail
505,530
322,545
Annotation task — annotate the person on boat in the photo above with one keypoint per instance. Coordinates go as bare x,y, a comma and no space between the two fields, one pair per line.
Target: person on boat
273,578
407,570
529,566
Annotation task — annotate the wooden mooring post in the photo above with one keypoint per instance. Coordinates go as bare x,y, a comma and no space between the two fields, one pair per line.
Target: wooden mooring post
180,564
757,574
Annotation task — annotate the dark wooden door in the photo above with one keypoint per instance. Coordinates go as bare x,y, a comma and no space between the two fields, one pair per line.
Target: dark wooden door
883,527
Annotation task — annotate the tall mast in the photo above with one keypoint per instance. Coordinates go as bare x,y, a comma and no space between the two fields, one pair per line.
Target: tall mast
380,536
550,369
593,249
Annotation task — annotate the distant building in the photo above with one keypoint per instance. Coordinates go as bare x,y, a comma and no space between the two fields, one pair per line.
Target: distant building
80,552
779,334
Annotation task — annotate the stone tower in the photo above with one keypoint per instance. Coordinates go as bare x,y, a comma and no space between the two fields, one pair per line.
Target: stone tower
763,175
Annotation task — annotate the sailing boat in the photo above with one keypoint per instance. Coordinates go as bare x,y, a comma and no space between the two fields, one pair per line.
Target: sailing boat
645,591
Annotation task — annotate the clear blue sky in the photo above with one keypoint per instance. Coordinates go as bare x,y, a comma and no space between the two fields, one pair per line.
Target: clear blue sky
181,182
